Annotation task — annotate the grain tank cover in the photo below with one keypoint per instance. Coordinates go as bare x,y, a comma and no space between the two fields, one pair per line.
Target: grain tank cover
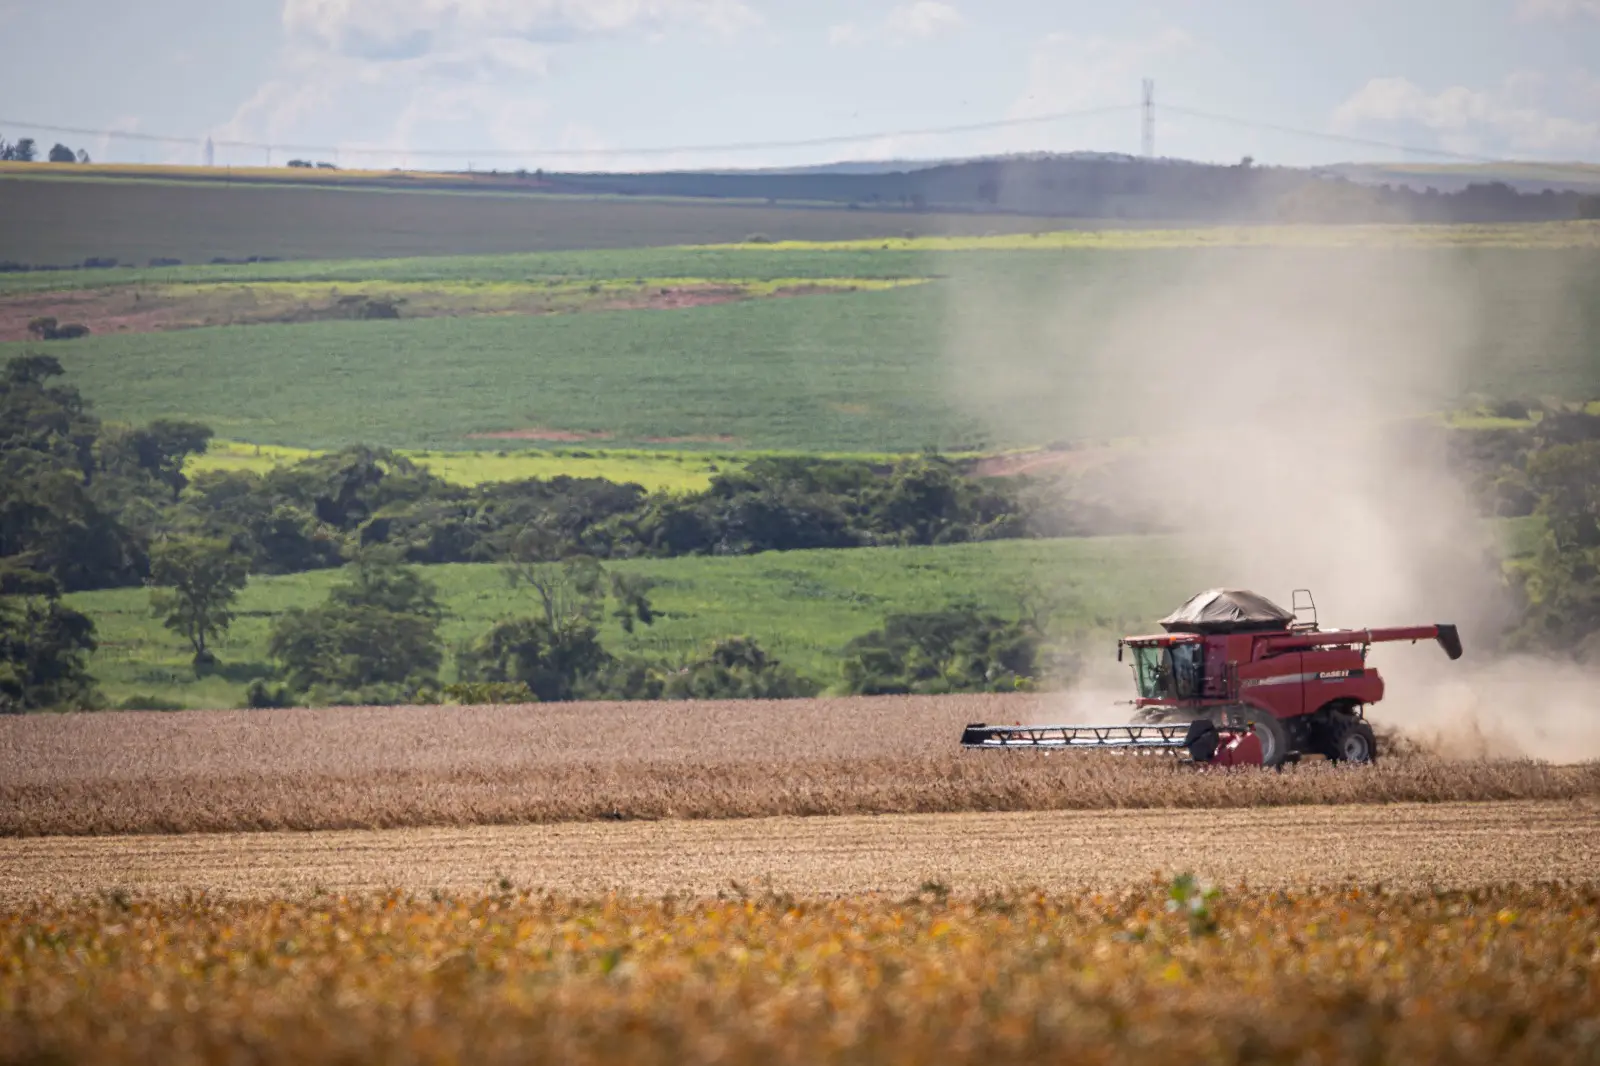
1227,611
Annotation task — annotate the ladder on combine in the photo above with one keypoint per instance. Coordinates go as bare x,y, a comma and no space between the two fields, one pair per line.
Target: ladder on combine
1139,738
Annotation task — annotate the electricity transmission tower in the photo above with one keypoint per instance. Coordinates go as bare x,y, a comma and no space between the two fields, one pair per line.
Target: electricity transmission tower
1149,142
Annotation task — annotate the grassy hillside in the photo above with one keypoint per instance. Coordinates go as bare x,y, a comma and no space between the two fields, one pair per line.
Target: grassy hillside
775,375
1006,348
803,606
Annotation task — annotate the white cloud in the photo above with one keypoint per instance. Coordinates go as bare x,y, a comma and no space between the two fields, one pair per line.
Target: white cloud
439,73
1558,9
921,20
848,35
1520,116
389,29
1067,71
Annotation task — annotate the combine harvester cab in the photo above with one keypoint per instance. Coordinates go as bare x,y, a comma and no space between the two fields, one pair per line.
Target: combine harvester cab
1236,680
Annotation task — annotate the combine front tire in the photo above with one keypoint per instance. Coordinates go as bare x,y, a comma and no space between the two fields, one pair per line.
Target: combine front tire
1350,740
1272,735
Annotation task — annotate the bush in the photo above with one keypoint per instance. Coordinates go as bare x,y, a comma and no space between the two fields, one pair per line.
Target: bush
960,649
736,668
44,646
261,696
149,703
375,640
473,693
549,660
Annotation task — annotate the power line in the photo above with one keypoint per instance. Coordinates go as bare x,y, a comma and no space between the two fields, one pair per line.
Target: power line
1592,174
1147,105
741,146
1364,142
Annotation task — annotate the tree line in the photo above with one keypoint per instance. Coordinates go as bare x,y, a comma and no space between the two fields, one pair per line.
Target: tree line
1547,471
85,501
1114,186
26,150
89,505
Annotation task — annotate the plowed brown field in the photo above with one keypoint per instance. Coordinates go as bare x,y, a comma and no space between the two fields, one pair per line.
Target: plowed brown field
454,766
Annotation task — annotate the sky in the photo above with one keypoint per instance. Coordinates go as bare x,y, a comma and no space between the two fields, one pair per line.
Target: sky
636,84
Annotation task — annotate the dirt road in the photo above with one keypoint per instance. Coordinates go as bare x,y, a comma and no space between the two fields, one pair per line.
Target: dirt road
1413,844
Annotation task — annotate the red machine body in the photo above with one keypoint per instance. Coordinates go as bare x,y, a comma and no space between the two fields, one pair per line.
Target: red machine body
1237,680
1307,688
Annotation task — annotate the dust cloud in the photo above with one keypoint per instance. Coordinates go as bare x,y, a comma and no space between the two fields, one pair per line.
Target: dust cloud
1273,405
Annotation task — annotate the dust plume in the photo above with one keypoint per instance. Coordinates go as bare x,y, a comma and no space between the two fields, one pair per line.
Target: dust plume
1272,405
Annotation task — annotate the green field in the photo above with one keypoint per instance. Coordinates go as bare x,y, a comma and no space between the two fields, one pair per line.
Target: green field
802,606
891,256
1009,343
750,262
1004,349
768,375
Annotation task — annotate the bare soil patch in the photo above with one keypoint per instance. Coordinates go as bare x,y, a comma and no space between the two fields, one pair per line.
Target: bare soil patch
161,308
130,773
1459,845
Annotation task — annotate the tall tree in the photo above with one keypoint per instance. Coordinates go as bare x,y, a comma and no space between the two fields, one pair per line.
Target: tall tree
196,582
1563,581
558,649
43,647
53,512
165,445
379,628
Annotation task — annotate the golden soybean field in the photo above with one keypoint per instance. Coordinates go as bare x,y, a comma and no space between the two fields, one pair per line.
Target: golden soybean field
1160,972
277,887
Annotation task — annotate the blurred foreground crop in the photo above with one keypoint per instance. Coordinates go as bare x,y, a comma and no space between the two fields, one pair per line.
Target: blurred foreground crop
1161,972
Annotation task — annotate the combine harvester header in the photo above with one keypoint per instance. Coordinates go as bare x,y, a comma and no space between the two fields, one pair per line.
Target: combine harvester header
1237,680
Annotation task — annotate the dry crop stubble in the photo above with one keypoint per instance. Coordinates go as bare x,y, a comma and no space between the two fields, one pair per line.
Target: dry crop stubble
1159,973
450,766
1455,845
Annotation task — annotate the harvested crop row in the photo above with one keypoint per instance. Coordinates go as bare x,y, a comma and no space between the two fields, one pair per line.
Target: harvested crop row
1162,973
451,766
617,791
1429,845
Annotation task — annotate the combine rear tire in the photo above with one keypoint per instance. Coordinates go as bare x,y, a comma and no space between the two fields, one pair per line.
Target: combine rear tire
1351,740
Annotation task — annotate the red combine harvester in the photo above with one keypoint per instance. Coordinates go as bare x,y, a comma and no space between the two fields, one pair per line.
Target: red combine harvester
1237,680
